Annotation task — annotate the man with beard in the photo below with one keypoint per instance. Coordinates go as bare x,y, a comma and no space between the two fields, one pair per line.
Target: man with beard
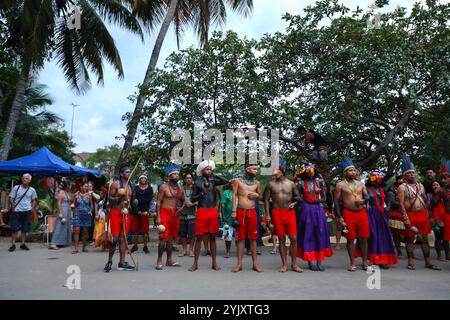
120,194
441,195
205,192
282,192
143,196
430,177
416,213
167,209
354,216
245,191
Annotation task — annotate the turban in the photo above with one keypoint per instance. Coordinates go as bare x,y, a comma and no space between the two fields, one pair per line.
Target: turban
204,164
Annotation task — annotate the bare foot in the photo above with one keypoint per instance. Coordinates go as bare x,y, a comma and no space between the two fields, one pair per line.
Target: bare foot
296,268
191,255
338,246
182,254
215,267
283,269
257,268
193,268
237,268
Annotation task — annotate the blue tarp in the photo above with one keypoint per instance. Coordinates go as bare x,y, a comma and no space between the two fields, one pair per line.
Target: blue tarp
45,163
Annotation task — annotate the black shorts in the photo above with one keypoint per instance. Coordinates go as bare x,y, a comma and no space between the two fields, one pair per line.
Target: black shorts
20,220
187,228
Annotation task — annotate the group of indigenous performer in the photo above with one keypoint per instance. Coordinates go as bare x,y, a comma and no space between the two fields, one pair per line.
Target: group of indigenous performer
313,237
381,249
354,216
416,213
170,195
441,196
119,194
395,216
205,192
187,218
245,191
143,196
283,195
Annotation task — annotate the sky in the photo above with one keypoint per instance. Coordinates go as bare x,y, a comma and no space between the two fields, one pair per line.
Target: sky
98,121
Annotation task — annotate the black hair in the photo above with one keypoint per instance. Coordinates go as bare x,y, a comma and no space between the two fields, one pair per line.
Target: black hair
188,174
301,128
428,169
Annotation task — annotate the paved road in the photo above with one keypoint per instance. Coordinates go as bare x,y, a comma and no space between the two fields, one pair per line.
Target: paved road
41,274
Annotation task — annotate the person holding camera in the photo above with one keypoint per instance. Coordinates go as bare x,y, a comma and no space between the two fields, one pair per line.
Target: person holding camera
22,200
62,234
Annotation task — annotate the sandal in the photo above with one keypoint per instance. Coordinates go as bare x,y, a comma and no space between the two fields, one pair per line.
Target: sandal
175,264
352,268
433,267
159,267
411,267
273,252
74,251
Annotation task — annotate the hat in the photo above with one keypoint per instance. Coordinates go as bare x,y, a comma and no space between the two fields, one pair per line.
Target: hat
346,164
203,165
171,168
407,165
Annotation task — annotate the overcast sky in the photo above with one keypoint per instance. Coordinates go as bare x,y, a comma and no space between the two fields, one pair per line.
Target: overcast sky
97,120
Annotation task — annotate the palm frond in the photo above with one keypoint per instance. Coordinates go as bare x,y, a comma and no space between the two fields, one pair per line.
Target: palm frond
119,13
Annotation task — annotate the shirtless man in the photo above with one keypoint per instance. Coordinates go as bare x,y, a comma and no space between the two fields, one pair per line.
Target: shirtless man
245,191
353,194
120,194
170,195
282,192
417,215
205,192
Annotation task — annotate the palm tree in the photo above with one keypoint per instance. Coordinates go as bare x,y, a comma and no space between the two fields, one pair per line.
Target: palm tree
37,30
200,14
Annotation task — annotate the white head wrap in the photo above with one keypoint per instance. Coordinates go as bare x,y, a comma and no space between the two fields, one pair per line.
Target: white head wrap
204,164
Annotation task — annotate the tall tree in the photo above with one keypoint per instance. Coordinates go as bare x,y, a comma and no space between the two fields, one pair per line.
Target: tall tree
373,93
37,30
198,13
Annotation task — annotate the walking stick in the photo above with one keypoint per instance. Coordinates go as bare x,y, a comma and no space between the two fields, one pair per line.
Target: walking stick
123,220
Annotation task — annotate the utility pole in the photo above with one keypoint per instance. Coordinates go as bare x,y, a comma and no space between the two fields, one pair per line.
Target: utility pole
73,114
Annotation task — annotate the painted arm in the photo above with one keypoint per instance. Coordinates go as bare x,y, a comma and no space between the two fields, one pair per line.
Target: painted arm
267,196
235,186
161,192
401,204
219,180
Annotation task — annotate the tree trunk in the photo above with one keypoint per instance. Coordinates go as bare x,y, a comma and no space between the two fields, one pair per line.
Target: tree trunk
133,125
15,113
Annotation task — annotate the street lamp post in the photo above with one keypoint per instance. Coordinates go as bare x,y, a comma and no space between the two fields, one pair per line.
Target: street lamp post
73,114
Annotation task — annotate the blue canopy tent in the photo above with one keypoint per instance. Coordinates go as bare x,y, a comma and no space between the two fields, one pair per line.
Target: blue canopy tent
44,163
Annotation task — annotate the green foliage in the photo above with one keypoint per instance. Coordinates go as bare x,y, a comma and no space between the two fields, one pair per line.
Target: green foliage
372,93
103,159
